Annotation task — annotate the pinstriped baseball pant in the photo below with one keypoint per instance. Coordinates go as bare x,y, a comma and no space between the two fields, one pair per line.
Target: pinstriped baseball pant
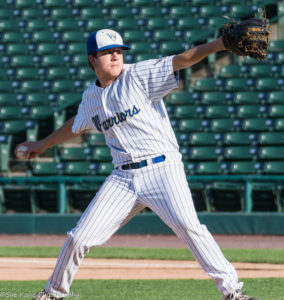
162,187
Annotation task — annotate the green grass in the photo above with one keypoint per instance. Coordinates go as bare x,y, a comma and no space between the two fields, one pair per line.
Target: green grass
234,255
264,289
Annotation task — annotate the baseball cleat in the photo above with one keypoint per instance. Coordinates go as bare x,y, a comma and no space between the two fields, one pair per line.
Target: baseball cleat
45,296
238,295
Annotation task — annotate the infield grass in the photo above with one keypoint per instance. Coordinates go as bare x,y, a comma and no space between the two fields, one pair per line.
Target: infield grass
235,255
264,289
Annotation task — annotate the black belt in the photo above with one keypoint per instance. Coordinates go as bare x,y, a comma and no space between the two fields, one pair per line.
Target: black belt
143,163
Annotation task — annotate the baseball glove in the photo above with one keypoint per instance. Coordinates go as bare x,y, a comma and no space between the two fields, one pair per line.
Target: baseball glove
247,38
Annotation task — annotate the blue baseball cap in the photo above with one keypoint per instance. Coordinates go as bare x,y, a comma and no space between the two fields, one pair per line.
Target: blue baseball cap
105,39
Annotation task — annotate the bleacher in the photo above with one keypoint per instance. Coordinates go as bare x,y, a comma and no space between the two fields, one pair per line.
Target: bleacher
229,121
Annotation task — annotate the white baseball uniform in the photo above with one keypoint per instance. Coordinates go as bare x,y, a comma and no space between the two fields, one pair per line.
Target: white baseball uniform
131,114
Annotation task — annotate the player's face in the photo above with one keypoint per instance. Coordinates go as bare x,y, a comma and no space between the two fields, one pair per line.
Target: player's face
109,63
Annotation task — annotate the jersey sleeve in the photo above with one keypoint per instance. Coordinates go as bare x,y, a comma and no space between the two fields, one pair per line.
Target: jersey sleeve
80,122
156,76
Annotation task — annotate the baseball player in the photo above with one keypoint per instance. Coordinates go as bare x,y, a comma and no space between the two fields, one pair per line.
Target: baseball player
125,104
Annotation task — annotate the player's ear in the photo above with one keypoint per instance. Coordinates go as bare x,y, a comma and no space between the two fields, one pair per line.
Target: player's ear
92,61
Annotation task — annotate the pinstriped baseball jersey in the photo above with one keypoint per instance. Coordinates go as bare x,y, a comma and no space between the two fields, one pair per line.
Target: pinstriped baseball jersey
130,111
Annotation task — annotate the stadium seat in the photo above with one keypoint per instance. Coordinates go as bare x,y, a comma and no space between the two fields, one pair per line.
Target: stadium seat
40,99
204,153
74,153
96,24
55,60
58,72
74,48
80,60
251,111
47,168
11,25
276,46
257,124
263,70
271,153
271,138
73,36
14,37
141,47
101,154
54,3
273,167
136,35
9,99
233,71
16,126
244,167
279,59
69,24
170,48
266,84
41,112
40,24
211,168
130,24
104,168
5,146
14,49
216,22
240,153
83,3
239,84
146,56
50,48
10,112
195,36
35,85
80,168
66,85
248,97
219,111
29,73
152,11
86,73
212,10
205,84
166,35
159,23
114,3
191,125
8,13
63,12
96,139
142,2
242,10
276,111
180,98
216,97
226,196
276,97
224,125
279,124
24,61
45,36
239,138
204,138
69,99
31,13
186,23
